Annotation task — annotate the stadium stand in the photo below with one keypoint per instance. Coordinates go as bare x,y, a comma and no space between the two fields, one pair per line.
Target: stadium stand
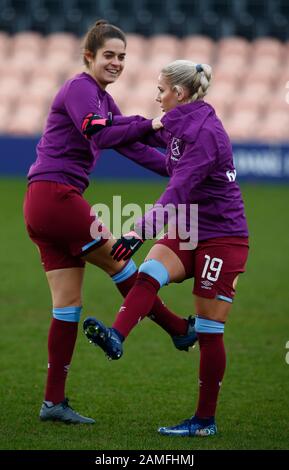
246,42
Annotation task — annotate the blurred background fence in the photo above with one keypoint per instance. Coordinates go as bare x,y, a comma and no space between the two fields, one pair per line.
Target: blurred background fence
245,41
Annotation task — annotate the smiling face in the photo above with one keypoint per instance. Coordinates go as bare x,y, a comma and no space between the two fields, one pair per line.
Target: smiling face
169,97
108,62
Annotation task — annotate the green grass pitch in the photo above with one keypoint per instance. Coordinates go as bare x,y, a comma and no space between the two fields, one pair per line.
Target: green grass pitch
153,384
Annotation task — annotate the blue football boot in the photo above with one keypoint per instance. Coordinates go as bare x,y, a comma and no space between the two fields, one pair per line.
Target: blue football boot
184,342
192,427
106,338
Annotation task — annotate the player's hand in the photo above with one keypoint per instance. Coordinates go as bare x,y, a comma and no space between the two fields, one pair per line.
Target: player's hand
93,123
126,246
157,123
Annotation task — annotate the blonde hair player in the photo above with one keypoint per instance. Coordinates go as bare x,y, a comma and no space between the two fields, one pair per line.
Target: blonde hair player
200,165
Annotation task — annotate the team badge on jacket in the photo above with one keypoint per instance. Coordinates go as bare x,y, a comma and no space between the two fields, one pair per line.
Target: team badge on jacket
175,149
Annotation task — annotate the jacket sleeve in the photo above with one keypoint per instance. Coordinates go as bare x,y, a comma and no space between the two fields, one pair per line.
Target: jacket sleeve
193,167
129,129
81,99
145,156
121,133
150,137
139,153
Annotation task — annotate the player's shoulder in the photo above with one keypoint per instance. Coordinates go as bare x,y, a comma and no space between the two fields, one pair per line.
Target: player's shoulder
80,86
79,80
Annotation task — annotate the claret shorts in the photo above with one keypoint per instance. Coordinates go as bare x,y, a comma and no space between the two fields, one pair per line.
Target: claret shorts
215,264
58,220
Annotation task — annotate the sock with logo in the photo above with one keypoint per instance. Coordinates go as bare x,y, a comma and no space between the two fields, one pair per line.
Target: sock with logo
61,341
160,314
138,303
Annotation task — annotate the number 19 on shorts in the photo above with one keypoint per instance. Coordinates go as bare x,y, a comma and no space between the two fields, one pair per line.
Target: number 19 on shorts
212,268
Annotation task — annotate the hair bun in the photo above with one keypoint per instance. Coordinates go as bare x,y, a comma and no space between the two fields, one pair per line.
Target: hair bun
100,23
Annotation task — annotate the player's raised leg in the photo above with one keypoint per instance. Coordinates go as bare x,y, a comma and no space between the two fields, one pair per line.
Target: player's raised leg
161,266
124,275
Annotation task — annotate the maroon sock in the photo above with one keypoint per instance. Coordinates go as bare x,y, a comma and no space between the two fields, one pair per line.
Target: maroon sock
212,369
61,340
138,303
165,318
160,314
125,286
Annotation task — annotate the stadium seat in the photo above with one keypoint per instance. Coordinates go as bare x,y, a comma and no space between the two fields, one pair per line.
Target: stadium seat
254,97
221,96
4,44
233,61
41,89
62,42
28,41
23,62
274,128
132,109
11,88
241,126
268,47
59,62
137,45
134,68
5,110
163,45
249,78
120,92
263,71
27,120
228,73
197,49
234,45
279,100
144,91
151,68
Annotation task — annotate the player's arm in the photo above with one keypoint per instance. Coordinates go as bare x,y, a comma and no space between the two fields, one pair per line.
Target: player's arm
81,100
82,106
124,138
107,133
120,130
156,136
141,154
193,167
145,156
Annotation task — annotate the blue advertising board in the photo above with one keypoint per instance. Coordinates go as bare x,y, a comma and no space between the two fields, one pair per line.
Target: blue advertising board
254,161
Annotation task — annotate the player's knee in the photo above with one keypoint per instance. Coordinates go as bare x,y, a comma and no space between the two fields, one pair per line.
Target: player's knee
156,270
125,272
68,314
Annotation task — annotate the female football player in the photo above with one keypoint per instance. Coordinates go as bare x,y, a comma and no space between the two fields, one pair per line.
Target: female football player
201,169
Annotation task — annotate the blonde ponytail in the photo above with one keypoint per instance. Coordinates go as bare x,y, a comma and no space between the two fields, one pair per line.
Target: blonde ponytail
194,77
